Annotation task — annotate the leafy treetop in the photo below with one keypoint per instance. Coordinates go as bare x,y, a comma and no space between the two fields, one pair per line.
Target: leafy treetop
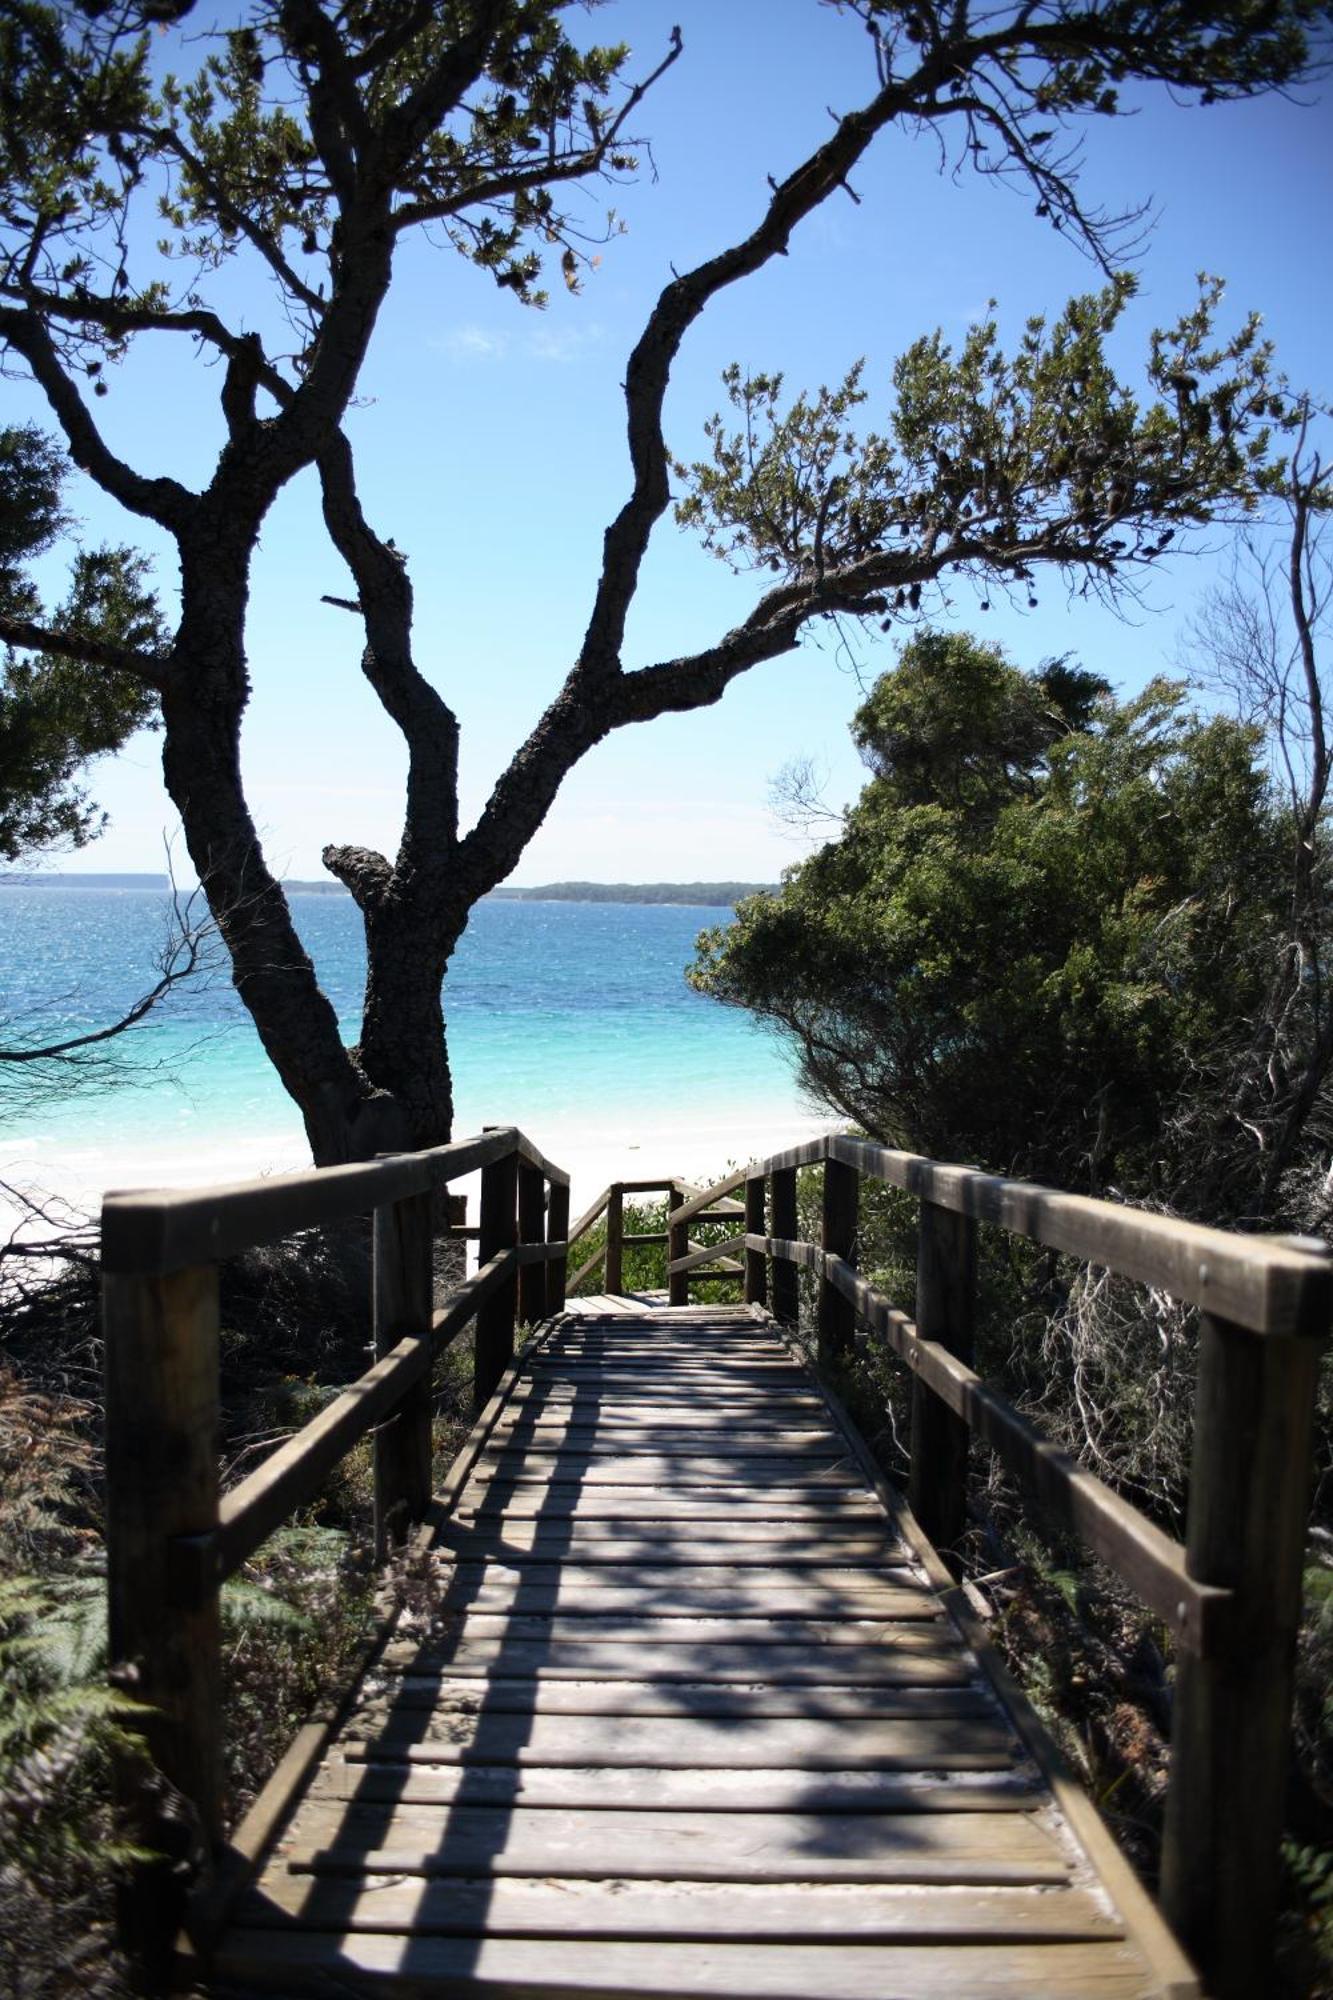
58,710
1027,949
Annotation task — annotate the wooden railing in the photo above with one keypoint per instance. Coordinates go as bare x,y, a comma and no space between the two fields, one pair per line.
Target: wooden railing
682,1198
1230,1594
172,1537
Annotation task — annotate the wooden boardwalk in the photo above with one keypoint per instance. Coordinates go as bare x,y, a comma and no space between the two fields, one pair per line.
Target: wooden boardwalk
695,1718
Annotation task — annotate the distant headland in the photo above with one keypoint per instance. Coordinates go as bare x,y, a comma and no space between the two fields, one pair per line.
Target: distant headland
717,895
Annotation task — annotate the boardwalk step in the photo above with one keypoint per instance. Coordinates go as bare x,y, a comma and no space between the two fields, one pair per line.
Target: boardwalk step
499,1694
593,1788
861,1913
549,1967
968,1848
679,1713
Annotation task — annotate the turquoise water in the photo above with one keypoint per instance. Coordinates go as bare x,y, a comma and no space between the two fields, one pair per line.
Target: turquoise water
559,1014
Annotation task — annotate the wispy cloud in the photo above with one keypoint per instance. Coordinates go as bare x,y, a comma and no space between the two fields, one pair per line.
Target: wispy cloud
558,344
474,343
565,343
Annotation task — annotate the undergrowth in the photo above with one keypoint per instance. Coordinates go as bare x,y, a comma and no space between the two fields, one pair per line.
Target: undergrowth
294,1330
1107,1369
643,1265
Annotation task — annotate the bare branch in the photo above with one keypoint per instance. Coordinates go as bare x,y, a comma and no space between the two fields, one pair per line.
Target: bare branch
165,501
80,646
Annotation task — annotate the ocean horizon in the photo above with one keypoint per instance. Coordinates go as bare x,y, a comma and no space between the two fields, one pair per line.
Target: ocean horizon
570,1019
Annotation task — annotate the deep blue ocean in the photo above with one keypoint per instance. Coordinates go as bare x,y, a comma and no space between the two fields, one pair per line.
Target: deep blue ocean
564,1018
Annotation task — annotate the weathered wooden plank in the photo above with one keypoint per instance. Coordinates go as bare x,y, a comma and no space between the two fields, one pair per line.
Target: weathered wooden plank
861,1913
765,1370
613,1503
594,1789
691,1630
524,1969
703,1503
852,1579
669,1397
696,1743
446,1694
915,1656
541,1441
718,1594
525,1545
674,1846
512,1466
731,1544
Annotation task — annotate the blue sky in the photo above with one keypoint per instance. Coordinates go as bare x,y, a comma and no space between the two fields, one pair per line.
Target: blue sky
491,445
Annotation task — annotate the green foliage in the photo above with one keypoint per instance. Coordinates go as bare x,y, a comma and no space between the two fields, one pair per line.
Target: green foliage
993,463
1028,942
57,712
255,144
58,1730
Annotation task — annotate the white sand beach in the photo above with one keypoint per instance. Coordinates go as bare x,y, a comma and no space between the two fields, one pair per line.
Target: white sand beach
70,1178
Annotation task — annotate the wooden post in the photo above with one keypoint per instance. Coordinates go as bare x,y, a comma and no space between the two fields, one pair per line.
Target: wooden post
531,1229
786,1277
837,1315
615,1240
163,1640
946,1305
756,1264
494,1347
678,1245
557,1231
1230,1737
404,1297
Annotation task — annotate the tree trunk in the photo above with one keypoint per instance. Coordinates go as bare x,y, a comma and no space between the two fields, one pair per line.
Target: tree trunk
403,1049
346,1118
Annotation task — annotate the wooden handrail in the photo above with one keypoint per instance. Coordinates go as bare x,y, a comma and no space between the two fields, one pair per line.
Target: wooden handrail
1147,1559
707,1253
165,1229
172,1540
695,1206
293,1474
1259,1282
1231,1593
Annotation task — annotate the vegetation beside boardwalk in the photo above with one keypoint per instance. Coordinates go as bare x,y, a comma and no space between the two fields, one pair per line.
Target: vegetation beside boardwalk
295,1328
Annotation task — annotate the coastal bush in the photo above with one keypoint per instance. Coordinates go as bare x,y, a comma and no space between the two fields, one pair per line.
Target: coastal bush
295,1325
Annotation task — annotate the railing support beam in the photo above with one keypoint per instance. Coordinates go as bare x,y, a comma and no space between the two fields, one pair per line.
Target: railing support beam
615,1240
163,1638
494,1349
1230,1738
678,1245
786,1277
557,1231
404,1288
756,1264
946,1294
837,1315
531,1229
